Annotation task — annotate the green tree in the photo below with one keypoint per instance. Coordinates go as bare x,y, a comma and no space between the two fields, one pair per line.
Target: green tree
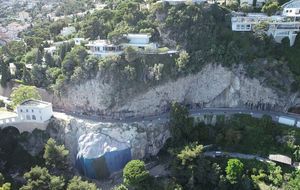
3,185
120,187
39,179
182,61
293,183
271,7
5,73
39,58
22,93
78,184
49,60
55,155
26,76
296,152
275,175
190,153
234,170
135,173
131,54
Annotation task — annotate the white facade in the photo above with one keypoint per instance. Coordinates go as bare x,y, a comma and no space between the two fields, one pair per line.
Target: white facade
291,8
51,50
12,68
278,26
34,111
101,48
178,2
259,3
141,41
68,30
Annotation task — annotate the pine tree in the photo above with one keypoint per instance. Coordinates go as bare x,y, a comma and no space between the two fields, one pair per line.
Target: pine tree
39,58
5,73
49,60
26,77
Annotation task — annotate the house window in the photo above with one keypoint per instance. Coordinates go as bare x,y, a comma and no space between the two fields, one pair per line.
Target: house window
26,110
21,110
41,118
28,117
33,117
32,111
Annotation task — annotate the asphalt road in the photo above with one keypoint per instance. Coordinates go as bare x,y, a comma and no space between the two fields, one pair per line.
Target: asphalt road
193,112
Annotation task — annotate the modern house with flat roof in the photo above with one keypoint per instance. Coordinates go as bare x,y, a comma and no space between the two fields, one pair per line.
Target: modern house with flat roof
277,26
291,8
34,111
141,41
102,48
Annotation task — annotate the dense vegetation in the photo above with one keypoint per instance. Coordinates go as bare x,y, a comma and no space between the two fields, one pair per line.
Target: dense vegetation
201,33
49,170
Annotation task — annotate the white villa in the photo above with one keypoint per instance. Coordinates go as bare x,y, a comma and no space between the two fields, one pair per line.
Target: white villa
177,2
68,30
102,48
34,111
291,8
141,41
277,26
51,50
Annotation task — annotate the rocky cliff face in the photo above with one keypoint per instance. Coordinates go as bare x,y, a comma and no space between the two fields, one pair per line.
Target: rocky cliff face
144,139
214,86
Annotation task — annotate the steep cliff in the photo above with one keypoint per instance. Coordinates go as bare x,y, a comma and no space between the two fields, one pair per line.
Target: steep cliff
82,137
213,86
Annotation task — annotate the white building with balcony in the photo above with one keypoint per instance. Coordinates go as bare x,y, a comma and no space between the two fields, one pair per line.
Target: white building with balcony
102,48
277,26
34,111
141,41
291,8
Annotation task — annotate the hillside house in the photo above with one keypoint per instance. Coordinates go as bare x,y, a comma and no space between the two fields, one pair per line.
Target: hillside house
51,50
277,26
141,41
102,48
34,111
291,8
66,31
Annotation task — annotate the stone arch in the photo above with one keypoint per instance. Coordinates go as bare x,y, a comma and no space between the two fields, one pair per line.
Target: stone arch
10,130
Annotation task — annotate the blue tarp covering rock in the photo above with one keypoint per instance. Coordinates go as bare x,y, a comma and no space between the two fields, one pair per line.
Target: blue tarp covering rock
100,155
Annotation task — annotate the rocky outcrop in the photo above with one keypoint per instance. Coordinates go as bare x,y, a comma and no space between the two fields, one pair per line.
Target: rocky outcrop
144,139
214,86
